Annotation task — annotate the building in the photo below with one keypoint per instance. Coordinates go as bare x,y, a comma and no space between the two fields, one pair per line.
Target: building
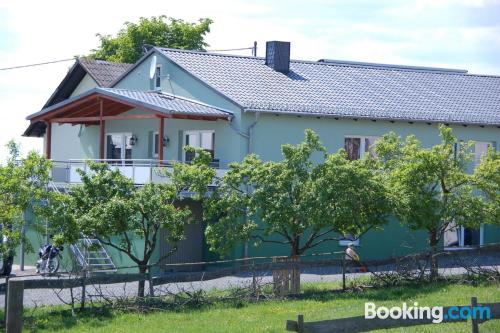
235,105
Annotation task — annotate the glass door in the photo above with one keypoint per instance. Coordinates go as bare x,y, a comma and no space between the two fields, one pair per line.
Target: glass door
119,149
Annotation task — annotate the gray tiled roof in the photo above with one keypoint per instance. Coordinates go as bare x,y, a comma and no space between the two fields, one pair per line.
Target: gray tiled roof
348,89
166,103
104,72
158,101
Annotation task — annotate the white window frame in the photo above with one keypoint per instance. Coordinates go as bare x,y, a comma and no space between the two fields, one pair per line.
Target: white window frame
157,77
155,144
362,146
197,132
345,241
461,245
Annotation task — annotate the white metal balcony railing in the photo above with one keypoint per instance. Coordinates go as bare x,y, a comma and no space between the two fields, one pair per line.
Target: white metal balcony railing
141,171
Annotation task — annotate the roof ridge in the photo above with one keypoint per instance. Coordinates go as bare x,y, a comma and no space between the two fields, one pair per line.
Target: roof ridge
347,63
391,66
101,61
208,52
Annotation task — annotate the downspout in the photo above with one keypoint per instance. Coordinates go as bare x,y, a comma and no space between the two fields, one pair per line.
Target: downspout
249,133
248,137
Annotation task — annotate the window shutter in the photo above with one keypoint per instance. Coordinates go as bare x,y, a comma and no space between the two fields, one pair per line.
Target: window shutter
109,147
181,143
150,144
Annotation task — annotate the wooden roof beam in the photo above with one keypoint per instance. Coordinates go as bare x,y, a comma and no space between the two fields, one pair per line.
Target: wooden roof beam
97,118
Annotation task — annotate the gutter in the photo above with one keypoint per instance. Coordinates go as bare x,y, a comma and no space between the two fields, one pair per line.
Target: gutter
364,117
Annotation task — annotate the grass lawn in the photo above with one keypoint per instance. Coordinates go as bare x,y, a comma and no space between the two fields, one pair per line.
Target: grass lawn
270,316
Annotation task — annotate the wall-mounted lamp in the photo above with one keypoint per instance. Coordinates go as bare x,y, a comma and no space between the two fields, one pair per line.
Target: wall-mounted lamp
133,140
166,141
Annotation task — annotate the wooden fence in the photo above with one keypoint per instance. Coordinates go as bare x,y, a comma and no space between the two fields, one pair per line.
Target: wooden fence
245,266
360,324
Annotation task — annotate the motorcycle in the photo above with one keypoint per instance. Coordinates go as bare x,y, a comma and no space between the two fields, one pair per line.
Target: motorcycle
49,257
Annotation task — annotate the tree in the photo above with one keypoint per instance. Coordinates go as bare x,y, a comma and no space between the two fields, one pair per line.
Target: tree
108,207
295,202
23,184
487,181
127,46
430,188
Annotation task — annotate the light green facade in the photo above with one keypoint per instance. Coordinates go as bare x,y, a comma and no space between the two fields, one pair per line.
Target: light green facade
269,133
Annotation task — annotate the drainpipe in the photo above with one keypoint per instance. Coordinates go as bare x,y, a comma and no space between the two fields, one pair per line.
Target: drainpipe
250,132
247,136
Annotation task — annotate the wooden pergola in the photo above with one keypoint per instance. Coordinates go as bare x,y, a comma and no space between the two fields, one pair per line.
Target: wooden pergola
97,108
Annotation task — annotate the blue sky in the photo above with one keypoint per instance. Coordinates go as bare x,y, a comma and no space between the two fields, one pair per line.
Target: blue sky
458,34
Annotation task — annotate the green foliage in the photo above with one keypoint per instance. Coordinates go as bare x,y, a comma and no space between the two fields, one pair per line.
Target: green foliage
23,184
487,180
298,202
162,31
430,188
109,207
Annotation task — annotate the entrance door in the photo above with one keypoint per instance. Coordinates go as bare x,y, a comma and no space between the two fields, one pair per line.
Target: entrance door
118,148
189,249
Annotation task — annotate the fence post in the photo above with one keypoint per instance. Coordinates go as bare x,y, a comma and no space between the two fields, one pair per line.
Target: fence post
343,274
82,301
5,298
474,321
14,306
300,323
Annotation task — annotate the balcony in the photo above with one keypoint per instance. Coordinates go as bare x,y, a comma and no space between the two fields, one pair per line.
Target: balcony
141,171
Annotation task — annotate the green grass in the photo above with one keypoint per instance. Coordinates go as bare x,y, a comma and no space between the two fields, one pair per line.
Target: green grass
317,303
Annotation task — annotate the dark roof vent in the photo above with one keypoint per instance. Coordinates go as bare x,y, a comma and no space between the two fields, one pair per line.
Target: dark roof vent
278,56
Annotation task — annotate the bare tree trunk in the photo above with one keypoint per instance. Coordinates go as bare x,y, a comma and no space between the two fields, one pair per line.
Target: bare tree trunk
295,246
433,243
142,270
294,273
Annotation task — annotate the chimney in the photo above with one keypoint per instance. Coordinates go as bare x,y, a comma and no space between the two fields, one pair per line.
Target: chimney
278,56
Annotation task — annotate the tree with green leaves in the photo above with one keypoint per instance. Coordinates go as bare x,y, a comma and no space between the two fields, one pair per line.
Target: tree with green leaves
430,188
487,181
127,45
109,207
23,184
297,202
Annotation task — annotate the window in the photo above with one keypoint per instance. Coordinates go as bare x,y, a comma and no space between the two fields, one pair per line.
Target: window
458,237
158,78
155,144
480,149
358,146
347,239
199,139
119,147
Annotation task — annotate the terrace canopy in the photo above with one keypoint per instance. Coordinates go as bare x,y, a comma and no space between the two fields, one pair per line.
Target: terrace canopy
99,105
